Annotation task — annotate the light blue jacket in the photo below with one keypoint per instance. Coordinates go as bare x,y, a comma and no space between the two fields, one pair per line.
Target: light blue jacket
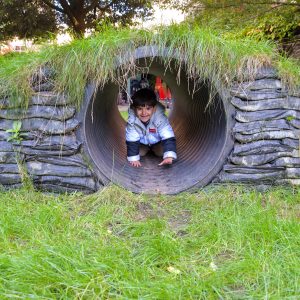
157,130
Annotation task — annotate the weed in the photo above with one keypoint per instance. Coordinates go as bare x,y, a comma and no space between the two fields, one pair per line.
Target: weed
290,118
16,135
25,177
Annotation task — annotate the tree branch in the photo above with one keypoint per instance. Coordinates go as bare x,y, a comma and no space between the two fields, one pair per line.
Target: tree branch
91,6
50,4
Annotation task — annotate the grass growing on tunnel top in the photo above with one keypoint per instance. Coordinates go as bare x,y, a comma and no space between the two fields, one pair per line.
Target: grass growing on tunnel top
208,54
219,243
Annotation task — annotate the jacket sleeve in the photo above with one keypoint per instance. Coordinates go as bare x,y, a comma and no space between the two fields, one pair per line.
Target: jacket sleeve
169,148
132,143
168,138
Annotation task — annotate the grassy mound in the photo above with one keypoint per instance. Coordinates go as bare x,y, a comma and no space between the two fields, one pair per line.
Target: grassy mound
207,55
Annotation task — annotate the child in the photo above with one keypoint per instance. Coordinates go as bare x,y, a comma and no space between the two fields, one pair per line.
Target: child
148,128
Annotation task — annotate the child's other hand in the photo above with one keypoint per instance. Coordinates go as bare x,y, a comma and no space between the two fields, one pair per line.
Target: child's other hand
135,163
166,161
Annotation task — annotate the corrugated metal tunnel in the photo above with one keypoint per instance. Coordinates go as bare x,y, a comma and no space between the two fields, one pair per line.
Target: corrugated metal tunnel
203,137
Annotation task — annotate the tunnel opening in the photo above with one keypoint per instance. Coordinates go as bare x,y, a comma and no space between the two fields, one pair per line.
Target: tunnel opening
144,80
203,135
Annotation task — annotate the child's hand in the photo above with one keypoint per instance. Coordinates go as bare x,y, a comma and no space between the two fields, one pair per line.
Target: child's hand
166,161
135,163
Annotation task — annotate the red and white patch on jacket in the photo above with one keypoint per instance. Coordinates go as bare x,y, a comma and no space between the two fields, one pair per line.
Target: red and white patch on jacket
152,130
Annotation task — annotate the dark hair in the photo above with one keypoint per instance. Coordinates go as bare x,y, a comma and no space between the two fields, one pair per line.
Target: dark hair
144,97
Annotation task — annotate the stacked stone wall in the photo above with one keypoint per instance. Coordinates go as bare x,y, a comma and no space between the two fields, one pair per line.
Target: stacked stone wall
49,151
266,133
266,138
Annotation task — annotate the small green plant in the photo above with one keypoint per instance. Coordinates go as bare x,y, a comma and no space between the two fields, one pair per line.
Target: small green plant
16,134
290,118
25,177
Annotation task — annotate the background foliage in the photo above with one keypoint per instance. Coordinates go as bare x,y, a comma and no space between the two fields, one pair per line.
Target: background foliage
26,19
32,19
268,19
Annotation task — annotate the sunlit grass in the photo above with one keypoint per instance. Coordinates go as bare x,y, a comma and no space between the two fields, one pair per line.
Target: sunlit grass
219,243
124,115
109,56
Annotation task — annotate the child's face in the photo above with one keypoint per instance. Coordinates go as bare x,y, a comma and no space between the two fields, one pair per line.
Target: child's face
144,113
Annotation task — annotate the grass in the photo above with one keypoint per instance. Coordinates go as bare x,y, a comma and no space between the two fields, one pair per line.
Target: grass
223,242
207,54
124,115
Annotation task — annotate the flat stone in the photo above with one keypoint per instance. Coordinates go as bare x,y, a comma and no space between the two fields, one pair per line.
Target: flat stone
260,147
261,126
260,84
7,157
10,187
39,168
43,125
257,95
267,168
45,112
49,98
6,146
251,178
40,98
54,142
287,162
275,114
54,145
7,178
4,136
293,143
261,73
53,188
293,173
73,160
282,103
260,159
295,123
76,183
272,135
9,168
32,153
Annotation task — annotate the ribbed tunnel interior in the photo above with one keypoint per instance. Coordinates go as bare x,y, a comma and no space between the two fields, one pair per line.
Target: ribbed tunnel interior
202,134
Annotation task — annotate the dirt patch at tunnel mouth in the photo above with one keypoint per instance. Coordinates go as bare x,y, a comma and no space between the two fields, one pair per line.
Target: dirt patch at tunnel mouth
178,223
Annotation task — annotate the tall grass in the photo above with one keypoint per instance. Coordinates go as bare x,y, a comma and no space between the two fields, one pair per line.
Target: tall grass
109,56
219,243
